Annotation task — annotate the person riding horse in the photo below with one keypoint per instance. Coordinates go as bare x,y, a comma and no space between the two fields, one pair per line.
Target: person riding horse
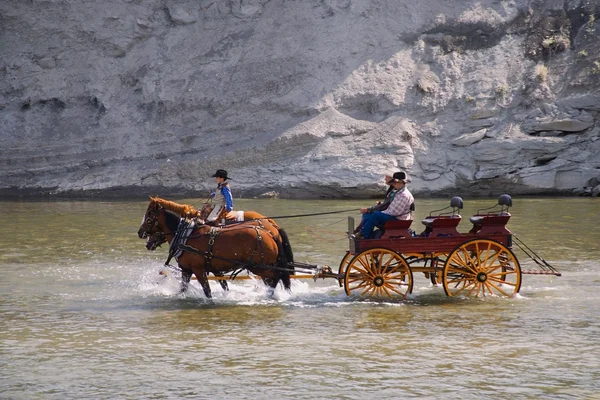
222,198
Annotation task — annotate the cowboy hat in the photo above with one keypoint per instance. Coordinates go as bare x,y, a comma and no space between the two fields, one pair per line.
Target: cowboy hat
221,173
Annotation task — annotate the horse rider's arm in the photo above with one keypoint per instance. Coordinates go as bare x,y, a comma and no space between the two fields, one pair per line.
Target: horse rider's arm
226,191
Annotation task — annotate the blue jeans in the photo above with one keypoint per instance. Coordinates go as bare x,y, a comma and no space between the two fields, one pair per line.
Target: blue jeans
372,220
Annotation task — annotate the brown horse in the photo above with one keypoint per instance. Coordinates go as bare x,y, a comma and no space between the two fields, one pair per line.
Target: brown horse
250,217
216,250
188,211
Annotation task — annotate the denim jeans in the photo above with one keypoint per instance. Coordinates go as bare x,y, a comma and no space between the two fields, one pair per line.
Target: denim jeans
372,220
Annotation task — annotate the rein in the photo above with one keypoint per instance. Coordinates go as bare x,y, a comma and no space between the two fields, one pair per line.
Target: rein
292,216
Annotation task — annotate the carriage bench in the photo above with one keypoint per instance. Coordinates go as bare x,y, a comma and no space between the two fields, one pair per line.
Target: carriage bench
441,225
490,224
397,228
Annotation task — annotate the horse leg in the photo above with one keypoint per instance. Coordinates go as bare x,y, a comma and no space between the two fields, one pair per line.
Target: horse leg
203,279
287,246
271,285
186,275
222,282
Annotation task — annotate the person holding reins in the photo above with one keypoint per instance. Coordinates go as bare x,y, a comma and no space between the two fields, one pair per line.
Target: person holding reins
221,196
399,208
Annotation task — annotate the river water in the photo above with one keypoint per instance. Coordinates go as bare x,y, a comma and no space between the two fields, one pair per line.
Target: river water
84,314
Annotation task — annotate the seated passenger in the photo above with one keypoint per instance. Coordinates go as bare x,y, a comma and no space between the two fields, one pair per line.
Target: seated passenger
399,208
381,205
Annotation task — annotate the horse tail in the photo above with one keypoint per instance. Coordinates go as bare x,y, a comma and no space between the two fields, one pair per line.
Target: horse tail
287,247
284,267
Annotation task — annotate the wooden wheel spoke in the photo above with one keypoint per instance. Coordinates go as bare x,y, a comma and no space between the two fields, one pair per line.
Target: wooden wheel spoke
362,284
383,266
367,269
470,262
371,289
391,287
403,294
475,286
465,286
361,279
467,263
363,271
503,273
364,264
492,269
495,258
462,272
497,288
387,264
395,273
386,291
496,280
372,261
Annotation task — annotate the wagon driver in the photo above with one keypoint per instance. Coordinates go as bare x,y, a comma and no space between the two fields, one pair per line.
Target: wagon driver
399,208
222,199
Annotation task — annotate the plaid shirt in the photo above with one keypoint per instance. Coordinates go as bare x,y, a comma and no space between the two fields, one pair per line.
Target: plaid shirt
400,206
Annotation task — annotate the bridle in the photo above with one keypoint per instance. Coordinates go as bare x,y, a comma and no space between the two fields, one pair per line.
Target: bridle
150,220
155,240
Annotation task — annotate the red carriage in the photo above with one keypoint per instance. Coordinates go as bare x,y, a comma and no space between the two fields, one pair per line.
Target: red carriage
479,262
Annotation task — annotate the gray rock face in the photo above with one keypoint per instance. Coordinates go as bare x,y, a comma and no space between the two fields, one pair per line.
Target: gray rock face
565,125
309,98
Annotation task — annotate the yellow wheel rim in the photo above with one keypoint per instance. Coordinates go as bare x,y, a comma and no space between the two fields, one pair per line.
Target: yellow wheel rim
378,273
482,267
343,266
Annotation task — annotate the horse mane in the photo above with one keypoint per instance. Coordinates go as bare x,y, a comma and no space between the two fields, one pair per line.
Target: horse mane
182,210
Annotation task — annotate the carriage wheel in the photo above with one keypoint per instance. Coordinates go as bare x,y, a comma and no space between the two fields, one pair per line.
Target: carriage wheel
378,272
437,277
482,267
343,265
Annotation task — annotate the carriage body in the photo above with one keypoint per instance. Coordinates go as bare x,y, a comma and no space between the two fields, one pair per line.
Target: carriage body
479,262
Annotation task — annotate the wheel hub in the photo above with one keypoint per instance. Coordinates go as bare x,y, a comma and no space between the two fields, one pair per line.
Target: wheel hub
378,281
482,277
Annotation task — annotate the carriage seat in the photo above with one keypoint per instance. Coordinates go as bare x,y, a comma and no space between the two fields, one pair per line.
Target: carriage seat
442,225
397,228
493,222
445,223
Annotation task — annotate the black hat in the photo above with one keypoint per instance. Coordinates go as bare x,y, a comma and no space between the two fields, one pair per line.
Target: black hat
400,176
221,173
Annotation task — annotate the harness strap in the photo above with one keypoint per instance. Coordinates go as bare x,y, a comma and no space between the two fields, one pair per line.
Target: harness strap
208,254
180,237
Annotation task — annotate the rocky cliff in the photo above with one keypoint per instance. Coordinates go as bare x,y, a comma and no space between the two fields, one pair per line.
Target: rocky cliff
299,98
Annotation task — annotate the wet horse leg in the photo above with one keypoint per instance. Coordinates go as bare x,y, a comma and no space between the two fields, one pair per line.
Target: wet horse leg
222,282
271,285
186,275
203,279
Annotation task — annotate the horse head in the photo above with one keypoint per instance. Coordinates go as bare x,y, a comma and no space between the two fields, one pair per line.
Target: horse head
150,222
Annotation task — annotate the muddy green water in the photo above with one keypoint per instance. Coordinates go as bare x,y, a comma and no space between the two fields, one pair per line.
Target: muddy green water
84,314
